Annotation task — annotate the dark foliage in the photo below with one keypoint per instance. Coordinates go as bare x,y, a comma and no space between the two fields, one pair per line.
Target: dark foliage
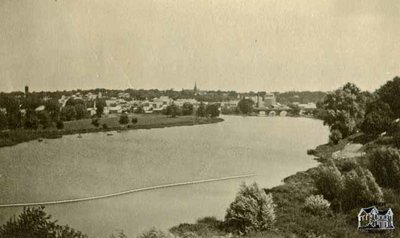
124,119
389,93
201,111
245,106
35,223
212,110
187,109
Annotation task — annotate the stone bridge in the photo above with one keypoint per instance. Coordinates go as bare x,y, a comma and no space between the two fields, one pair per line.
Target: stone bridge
272,111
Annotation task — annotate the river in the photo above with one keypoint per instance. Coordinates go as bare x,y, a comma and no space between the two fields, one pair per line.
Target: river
96,164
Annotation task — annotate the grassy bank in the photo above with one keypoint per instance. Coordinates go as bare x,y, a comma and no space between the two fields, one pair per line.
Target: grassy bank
13,137
291,218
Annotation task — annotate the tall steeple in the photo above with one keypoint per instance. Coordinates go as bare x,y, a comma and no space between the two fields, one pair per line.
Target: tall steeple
195,87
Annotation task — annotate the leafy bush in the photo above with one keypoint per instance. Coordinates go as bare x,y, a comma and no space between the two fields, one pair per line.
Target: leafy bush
329,182
173,110
154,233
187,108
245,106
134,120
205,227
354,188
252,210
105,126
316,205
335,137
201,111
35,223
360,189
212,110
60,125
120,234
385,166
95,122
124,119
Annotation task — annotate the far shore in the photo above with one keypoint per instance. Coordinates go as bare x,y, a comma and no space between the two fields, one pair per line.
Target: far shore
14,137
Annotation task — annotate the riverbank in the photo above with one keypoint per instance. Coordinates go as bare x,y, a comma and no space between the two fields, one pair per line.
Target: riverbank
14,137
291,220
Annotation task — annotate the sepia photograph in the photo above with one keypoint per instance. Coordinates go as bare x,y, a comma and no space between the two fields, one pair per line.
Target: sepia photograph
199,119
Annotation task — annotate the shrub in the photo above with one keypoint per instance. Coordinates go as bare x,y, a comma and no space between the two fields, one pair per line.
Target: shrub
95,122
124,119
356,188
335,136
187,108
316,205
105,126
360,189
35,223
252,210
201,110
173,110
60,125
205,227
120,234
154,233
385,166
212,110
134,120
329,182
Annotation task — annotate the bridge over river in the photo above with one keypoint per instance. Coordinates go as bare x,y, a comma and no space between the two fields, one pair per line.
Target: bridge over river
266,111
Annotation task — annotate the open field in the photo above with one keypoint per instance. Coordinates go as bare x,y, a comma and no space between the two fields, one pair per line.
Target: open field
13,137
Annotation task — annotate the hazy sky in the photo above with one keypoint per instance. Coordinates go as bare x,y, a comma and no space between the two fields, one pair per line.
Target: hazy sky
259,45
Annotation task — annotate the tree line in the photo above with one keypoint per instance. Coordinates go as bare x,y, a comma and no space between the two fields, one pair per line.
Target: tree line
348,110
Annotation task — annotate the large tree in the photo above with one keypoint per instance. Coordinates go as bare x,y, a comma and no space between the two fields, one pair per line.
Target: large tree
345,109
53,108
245,106
11,104
378,117
68,113
3,121
389,93
81,111
212,110
100,104
201,110
187,108
173,110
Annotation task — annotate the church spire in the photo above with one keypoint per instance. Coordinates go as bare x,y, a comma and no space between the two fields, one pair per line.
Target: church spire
195,87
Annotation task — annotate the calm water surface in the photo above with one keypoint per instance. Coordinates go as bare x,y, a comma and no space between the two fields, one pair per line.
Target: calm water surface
96,164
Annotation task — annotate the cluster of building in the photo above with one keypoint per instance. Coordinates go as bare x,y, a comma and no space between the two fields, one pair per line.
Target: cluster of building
124,103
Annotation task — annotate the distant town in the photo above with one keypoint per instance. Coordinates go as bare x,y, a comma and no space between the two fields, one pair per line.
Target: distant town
155,101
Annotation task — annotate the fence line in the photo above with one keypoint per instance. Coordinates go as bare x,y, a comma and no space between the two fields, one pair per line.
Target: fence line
124,192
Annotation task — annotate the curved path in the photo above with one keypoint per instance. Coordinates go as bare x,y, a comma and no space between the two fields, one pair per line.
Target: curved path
124,192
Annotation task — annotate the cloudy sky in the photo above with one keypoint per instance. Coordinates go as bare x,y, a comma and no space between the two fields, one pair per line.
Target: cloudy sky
258,45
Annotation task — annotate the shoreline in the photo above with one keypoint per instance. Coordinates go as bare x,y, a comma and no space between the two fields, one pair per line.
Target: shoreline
15,137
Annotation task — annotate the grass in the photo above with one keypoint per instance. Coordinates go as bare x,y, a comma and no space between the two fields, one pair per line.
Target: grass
13,137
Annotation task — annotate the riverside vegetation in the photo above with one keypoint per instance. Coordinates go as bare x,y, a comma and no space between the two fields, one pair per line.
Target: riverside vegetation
320,202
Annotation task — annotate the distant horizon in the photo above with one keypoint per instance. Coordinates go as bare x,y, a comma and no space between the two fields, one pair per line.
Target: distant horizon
177,89
180,89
